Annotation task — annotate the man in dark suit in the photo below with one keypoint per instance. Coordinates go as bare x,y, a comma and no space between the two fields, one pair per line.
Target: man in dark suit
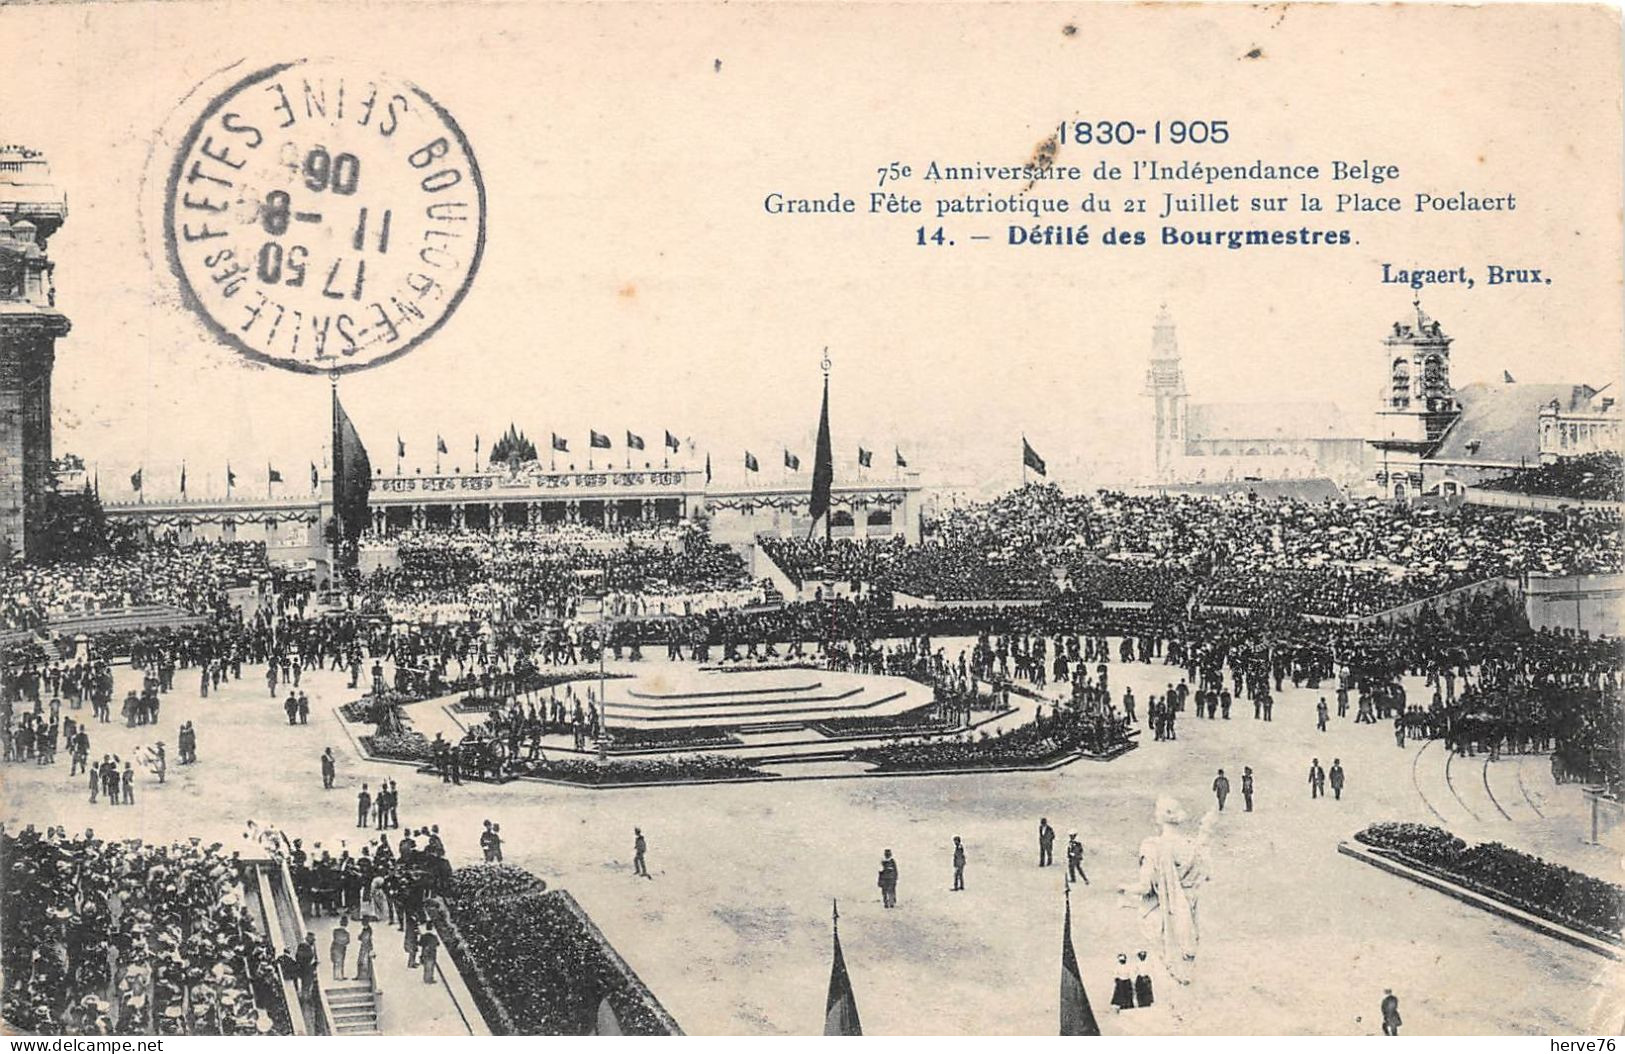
1390,1013
1337,778
1046,843
1247,789
1317,779
959,865
1221,788
363,806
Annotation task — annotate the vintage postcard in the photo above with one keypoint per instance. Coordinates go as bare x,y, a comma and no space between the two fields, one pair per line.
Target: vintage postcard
774,519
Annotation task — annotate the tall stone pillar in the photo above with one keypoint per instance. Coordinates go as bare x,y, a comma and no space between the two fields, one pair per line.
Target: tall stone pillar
31,210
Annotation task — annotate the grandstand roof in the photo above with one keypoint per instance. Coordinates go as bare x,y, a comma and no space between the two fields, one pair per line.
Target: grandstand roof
1300,420
1499,423
1316,489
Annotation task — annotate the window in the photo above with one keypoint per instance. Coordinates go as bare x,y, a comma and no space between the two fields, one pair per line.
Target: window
1401,398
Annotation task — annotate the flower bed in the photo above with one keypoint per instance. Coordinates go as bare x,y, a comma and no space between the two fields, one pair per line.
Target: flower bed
535,963
675,738
918,720
686,768
1550,891
401,746
1060,736
415,747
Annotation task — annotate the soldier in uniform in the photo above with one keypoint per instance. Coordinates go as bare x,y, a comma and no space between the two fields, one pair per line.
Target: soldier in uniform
1074,859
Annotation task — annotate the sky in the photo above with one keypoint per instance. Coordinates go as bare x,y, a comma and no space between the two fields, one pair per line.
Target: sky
632,279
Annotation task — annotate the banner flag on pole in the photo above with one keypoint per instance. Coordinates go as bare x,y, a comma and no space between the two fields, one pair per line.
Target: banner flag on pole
560,445
1077,1018
823,476
634,442
792,462
901,463
598,442
840,1006
671,443
1030,458
750,462
135,480
352,473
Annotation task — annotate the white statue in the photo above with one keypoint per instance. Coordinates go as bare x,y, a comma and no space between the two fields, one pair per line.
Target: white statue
1173,864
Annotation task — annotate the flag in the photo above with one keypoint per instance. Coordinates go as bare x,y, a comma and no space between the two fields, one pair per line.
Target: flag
135,480
183,479
596,441
750,462
792,462
352,474
634,442
1077,1019
840,1007
608,1024
561,445
1030,458
231,477
400,446
708,468
865,457
440,446
315,478
476,446
823,468
671,443
271,474
1506,377
900,462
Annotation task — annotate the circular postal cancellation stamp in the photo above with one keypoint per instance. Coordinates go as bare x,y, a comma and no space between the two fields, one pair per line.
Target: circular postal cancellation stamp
324,220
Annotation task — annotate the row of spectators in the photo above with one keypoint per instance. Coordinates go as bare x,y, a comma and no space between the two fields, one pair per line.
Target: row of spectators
123,938
193,577
529,573
1589,477
1330,559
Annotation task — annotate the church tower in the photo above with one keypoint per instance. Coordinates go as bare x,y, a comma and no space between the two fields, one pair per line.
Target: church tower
1417,403
31,210
1165,387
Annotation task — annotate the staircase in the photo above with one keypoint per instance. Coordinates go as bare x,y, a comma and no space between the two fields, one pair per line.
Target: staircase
354,1008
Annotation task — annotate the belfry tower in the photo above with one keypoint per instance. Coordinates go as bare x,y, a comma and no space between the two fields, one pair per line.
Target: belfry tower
1165,386
31,210
1417,404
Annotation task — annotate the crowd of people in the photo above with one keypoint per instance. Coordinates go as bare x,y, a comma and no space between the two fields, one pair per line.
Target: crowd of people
534,572
191,577
1331,559
1589,477
124,938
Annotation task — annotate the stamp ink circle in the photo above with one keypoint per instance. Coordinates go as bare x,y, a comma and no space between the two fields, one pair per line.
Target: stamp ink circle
323,220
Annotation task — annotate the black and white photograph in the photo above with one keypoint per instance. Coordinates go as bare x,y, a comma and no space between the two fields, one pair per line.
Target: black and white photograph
742,519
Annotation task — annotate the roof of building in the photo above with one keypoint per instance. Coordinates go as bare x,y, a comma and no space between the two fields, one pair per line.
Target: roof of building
1499,423
1303,420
